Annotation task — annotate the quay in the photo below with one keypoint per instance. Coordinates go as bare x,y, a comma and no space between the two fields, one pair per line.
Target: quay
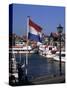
49,79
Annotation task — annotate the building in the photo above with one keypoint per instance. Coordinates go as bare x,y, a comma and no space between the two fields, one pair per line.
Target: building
54,39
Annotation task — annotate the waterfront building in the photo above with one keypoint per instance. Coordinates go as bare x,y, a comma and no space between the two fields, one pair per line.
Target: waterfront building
54,39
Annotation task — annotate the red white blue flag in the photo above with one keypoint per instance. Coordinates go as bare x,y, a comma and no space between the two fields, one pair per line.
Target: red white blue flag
35,31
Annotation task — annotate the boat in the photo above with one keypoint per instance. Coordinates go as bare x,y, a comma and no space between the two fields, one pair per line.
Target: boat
47,51
56,57
19,49
49,55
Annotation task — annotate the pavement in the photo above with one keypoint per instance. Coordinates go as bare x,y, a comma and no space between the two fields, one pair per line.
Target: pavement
49,79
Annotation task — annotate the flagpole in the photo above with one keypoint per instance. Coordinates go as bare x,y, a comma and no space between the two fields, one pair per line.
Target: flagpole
26,71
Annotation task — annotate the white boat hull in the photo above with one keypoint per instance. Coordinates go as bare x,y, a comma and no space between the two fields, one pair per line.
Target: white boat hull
49,56
57,58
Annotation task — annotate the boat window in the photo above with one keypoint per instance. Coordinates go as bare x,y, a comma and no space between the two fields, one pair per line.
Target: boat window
63,55
50,48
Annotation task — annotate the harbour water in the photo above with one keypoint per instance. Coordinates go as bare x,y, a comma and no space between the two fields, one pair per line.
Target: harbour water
39,65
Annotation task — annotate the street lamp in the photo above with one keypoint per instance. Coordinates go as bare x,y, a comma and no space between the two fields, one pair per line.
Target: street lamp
60,29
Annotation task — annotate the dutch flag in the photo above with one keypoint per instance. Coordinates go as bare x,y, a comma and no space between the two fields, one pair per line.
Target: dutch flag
35,32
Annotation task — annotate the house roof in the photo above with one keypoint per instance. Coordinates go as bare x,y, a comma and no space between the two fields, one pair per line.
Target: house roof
54,34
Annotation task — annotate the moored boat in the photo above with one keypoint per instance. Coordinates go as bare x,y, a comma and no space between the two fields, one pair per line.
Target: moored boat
56,57
47,51
18,49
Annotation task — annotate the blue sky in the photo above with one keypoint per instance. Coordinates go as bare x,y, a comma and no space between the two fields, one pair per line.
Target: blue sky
48,17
